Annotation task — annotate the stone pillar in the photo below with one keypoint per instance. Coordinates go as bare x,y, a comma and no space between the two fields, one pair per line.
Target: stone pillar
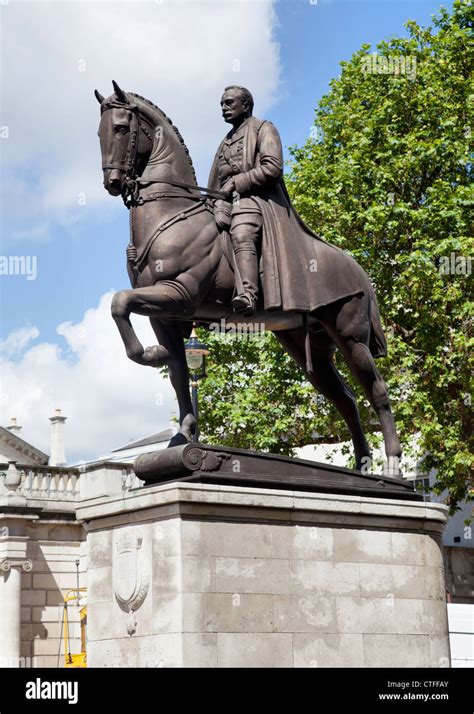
10,604
13,561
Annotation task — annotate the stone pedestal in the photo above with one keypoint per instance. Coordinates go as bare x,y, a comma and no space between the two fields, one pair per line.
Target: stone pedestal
208,575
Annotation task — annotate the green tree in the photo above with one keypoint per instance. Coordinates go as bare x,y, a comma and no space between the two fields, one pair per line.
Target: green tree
385,176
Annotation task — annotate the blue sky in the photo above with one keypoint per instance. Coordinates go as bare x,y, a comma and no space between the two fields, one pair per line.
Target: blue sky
288,55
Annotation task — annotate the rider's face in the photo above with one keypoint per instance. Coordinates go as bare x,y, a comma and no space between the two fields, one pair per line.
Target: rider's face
234,107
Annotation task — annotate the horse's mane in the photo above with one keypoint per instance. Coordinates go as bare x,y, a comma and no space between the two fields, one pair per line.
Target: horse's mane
175,129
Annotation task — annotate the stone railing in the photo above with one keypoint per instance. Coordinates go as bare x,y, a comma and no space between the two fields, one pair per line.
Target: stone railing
63,486
57,484
54,482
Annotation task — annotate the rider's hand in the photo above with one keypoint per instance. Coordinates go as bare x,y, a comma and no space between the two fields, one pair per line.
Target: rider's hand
222,214
228,188
222,219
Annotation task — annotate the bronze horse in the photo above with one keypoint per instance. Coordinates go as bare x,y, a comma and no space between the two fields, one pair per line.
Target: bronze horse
180,271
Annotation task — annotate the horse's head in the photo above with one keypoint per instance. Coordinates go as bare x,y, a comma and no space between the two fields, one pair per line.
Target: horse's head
123,140
137,139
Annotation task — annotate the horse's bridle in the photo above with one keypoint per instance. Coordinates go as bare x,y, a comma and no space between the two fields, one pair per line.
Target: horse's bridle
128,166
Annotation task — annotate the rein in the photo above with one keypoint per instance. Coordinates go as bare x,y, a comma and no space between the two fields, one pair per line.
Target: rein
139,259
208,191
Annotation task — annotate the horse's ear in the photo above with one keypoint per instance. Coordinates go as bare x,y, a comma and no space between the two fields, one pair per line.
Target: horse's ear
98,96
121,96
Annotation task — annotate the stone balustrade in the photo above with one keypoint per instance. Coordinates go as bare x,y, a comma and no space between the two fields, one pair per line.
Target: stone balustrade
62,487
57,483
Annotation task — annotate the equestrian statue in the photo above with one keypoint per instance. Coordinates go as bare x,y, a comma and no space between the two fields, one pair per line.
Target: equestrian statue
236,251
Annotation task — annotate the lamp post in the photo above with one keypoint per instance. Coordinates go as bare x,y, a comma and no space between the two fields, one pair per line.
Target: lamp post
196,353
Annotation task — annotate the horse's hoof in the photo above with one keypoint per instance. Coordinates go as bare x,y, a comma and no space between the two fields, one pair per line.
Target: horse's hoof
178,440
155,356
185,433
188,426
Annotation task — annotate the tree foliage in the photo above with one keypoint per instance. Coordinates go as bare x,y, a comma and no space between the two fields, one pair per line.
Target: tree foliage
385,175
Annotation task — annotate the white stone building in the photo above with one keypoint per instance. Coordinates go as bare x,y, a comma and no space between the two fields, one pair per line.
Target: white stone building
42,544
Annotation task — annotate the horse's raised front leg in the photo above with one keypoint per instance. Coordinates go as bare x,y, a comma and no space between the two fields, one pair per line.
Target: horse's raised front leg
158,302
154,301
169,336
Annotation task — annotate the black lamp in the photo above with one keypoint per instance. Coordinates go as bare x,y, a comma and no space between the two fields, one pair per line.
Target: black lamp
196,353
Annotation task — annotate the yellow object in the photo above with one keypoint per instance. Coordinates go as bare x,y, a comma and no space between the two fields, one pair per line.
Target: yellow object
75,660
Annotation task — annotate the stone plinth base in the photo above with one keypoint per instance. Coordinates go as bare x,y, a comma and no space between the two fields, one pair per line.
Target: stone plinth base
205,575
223,465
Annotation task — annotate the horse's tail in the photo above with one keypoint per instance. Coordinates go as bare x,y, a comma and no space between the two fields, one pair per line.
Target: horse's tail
377,341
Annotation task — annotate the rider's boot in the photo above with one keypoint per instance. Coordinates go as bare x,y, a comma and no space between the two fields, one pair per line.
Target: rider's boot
245,303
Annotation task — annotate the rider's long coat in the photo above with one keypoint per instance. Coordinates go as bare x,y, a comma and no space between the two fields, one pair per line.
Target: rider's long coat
299,271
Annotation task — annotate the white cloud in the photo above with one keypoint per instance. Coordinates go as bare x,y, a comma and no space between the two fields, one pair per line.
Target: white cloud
178,54
18,340
108,399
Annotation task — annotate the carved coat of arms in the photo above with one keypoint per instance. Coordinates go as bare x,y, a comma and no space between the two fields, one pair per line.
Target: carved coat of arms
130,574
